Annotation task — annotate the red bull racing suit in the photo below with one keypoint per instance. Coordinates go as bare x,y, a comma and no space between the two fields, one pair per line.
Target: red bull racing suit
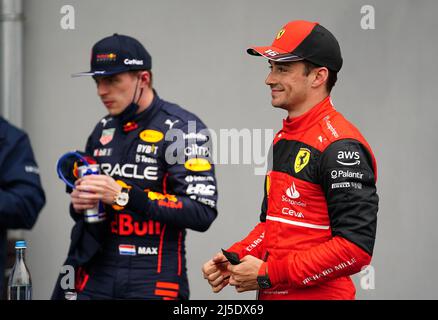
162,156
319,213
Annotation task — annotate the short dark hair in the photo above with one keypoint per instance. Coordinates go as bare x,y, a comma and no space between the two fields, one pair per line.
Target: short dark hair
332,76
135,73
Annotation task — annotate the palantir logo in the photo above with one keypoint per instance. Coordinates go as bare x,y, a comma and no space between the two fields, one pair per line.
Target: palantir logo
292,192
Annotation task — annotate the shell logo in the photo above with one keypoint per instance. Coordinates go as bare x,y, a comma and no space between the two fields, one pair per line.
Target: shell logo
152,136
197,164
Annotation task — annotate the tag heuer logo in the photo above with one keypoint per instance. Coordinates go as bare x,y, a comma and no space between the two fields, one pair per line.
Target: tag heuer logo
107,136
302,159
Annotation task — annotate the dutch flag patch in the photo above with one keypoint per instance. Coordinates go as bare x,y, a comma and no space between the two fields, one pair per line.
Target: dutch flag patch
127,250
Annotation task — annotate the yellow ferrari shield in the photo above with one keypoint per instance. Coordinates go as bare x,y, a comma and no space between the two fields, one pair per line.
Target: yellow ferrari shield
302,159
280,33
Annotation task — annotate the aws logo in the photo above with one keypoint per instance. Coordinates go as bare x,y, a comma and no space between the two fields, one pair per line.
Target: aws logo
302,159
348,158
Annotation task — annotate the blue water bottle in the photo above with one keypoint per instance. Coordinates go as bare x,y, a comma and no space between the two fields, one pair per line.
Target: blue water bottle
20,283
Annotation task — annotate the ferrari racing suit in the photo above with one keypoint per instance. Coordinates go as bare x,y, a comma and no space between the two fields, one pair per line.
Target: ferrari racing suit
319,213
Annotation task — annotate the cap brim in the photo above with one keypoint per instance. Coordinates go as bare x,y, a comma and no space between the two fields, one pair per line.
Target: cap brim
274,54
102,73
95,73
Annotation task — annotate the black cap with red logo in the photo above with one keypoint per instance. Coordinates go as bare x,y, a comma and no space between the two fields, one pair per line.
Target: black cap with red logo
303,40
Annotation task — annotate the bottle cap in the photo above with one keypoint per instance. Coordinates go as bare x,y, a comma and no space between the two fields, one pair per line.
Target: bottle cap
20,244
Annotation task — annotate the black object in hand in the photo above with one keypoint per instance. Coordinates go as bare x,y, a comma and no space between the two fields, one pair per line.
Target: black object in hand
232,257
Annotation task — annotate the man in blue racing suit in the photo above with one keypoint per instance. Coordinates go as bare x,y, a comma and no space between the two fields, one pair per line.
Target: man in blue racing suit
21,194
156,180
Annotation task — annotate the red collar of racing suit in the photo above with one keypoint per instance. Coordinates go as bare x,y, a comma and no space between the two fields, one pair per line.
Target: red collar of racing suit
308,119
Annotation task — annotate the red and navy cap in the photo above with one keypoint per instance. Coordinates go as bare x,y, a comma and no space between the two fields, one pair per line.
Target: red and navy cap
303,40
115,54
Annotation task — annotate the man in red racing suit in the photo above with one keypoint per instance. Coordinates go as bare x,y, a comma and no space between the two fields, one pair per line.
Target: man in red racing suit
318,220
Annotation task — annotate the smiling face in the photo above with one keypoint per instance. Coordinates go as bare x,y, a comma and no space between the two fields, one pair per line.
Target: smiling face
117,91
290,86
